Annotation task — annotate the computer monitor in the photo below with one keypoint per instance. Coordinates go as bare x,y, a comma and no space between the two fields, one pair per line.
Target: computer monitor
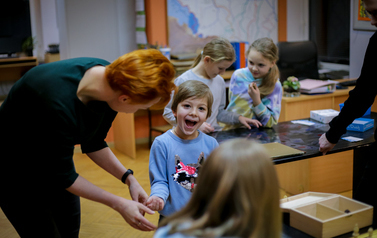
15,26
299,59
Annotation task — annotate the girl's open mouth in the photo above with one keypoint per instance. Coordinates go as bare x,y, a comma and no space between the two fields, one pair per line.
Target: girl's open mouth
190,124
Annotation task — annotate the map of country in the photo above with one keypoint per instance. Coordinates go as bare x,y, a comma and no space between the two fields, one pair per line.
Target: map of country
193,23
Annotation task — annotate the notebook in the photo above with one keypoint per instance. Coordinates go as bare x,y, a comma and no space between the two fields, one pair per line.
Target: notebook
278,150
313,86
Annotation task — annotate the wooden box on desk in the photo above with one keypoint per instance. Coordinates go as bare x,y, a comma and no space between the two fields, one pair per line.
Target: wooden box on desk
326,214
49,57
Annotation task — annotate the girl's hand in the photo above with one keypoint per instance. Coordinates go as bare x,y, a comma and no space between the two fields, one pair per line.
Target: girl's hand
324,145
254,93
206,128
155,203
130,211
247,121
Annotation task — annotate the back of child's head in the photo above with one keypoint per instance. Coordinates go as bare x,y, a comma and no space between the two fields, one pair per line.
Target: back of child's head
237,194
269,51
217,49
193,89
143,75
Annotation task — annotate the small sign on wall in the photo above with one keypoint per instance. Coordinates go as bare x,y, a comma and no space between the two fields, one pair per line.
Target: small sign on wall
361,20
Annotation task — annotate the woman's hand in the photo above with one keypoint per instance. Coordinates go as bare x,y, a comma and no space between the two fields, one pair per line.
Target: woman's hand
324,145
247,121
206,128
155,203
136,191
254,93
130,211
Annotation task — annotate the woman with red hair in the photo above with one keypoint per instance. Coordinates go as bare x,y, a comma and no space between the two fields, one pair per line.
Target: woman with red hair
56,106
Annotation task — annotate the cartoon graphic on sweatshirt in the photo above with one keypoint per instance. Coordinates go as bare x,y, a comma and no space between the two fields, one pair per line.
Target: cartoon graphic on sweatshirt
186,175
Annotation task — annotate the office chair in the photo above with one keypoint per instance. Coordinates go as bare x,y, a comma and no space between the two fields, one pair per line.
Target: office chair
161,129
299,59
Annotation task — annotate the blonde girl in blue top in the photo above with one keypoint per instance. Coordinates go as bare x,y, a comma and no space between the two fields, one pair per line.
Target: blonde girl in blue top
255,92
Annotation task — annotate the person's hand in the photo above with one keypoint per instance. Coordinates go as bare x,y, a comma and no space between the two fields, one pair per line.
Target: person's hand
324,145
136,191
247,121
155,203
206,128
254,93
130,211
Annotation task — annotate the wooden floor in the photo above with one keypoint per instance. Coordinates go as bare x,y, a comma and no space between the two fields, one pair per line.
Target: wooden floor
98,220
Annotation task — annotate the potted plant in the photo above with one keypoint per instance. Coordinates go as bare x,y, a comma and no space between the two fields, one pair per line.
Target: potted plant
291,87
28,45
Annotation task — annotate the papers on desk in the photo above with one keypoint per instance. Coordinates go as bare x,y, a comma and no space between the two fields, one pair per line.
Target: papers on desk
303,122
314,86
352,139
278,150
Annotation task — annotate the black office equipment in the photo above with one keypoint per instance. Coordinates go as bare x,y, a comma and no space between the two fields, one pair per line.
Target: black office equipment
337,74
298,59
15,26
348,83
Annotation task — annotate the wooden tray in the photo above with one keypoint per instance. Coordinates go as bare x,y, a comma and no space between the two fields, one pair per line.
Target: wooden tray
326,214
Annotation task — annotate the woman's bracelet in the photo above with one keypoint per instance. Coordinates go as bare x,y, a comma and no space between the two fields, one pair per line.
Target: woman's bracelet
125,175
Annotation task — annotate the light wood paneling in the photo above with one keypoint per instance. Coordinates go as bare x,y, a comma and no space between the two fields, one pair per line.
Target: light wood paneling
13,69
156,22
282,20
299,107
374,106
338,100
294,176
124,134
331,173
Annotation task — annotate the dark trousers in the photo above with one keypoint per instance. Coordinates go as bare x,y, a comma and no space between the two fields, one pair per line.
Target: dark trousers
160,219
39,211
365,177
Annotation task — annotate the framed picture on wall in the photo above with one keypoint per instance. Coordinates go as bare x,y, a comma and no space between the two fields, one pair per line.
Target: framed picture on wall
361,20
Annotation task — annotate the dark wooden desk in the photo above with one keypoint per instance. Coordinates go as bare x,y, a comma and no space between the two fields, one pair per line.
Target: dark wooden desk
312,171
300,173
298,136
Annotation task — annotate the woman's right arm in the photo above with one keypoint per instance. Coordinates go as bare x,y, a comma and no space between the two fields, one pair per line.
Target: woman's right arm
130,210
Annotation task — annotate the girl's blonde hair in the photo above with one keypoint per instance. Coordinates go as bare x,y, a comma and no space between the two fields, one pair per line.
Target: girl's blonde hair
269,50
193,89
217,49
143,75
237,194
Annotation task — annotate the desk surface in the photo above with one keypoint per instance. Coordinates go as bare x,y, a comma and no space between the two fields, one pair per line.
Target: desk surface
300,137
304,97
297,136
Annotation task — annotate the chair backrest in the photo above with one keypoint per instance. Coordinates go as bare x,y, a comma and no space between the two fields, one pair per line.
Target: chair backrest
299,59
